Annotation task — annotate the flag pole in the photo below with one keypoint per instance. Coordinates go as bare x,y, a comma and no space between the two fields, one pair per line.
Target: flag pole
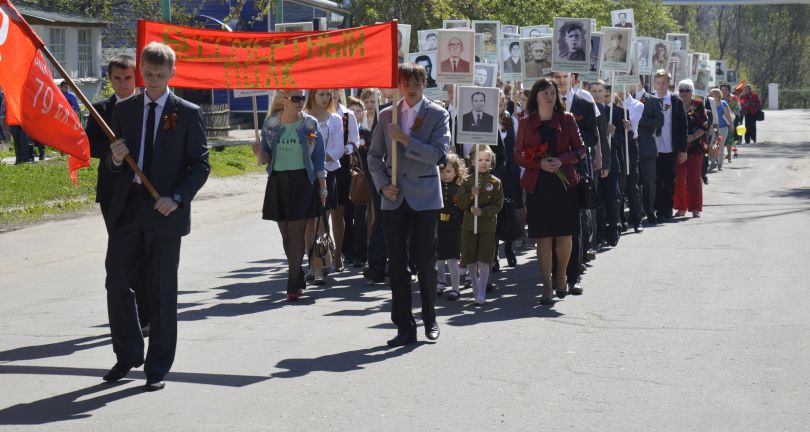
97,117
256,122
394,121
475,172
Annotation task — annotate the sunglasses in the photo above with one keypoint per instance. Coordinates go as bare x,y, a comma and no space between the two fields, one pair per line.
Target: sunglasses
684,90
296,99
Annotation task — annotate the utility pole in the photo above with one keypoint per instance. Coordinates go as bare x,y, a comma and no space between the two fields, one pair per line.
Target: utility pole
279,11
166,10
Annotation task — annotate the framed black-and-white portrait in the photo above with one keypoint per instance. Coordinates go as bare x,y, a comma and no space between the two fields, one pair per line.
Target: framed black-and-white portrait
662,50
478,111
537,54
645,54
694,65
680,41
510,31
456,24
630,77
403,41
616,49
486,74
428,39
702,80
490,32
427,59
455,56
622,18
570,47
711,65
720,71
597,42
534,31
294,27
679,65
731,76
512,64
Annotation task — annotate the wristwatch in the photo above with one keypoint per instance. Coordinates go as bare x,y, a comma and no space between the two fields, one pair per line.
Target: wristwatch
178,199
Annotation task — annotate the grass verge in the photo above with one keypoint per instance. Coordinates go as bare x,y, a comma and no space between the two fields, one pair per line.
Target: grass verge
33,192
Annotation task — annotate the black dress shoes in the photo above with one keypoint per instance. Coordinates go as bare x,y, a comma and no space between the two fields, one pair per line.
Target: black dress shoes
432,331
374,275
403,339
155,384
117,372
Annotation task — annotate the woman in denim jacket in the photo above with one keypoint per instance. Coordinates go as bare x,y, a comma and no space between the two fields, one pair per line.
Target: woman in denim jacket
293,149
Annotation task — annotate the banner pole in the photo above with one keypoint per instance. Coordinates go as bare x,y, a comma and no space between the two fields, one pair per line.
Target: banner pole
394,146
612,74
626,143
97,117
256,123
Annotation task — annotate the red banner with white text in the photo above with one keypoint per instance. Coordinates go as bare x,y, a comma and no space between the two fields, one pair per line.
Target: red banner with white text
33,100
216,59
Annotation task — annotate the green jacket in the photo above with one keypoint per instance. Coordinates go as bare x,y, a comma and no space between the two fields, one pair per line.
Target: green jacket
490,201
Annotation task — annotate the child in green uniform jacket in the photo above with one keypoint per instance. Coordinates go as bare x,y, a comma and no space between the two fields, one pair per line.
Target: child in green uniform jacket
478,250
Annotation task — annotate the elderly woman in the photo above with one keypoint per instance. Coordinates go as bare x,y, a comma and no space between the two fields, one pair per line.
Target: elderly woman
688,183
548,146
293,149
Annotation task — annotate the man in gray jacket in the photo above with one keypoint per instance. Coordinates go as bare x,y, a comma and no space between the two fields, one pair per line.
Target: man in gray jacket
411,204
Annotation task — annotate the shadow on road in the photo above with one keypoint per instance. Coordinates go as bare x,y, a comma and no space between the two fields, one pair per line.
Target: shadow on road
340,362
57,349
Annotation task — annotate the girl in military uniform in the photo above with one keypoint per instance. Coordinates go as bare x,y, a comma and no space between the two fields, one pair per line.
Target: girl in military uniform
448,244
478,250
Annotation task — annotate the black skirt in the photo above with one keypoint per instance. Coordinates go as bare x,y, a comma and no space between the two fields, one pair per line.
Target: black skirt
448,240
551,211
289,195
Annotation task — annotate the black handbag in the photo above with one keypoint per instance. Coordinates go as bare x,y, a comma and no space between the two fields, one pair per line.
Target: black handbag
586,193
509,228
760,115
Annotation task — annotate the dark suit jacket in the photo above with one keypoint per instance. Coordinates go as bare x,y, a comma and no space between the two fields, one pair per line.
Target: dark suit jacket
462,66
601,125
468,123
679,126
179,163
100,148
586,120
652,119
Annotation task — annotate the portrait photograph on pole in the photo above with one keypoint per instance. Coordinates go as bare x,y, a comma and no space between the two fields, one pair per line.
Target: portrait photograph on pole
660,55
490,32
428,39
512,63
456,24
536,58
622,18
615,53
631,76
645,55
596,58
456,55
534,31
570,47
485,74
680,41
478,110
403,41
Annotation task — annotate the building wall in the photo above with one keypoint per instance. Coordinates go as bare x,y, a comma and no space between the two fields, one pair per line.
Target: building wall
92,84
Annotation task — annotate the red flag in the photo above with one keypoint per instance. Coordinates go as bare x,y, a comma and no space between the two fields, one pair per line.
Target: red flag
33,100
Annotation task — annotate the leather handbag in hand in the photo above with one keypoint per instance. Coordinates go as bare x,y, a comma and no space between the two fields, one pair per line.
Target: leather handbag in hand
359,190
323,247
586,193
509,228
760,115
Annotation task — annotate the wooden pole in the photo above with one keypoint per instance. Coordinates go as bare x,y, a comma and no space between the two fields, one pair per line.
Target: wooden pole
97,117
610,122
256,124
475,168
626,132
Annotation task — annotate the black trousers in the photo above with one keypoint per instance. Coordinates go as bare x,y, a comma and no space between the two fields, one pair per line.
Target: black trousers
130,250
410,232
377,257
609,197
665,184
22,145
750,128
648,184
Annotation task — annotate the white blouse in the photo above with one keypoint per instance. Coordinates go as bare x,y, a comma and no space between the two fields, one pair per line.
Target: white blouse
332,131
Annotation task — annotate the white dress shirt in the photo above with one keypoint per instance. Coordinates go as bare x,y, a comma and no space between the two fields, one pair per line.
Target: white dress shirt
407,115
161,102
664,142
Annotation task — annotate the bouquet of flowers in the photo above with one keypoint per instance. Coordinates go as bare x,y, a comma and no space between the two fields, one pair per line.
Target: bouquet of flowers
542,152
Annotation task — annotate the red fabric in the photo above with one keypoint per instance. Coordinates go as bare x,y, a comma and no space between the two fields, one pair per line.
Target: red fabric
750,103
33,100
689,184
358,57
528,145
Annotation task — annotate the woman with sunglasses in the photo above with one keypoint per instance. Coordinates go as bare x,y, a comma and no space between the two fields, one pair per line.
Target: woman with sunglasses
322,105
292,147
689,183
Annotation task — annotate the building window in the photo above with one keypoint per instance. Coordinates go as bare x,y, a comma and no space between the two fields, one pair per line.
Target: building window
57,47
85,49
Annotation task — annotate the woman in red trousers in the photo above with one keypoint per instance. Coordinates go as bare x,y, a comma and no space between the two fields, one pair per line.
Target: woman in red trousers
688,183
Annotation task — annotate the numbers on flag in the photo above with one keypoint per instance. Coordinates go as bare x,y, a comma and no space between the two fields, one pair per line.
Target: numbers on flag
47,97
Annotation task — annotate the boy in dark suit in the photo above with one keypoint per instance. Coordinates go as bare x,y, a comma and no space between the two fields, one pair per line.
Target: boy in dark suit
166,137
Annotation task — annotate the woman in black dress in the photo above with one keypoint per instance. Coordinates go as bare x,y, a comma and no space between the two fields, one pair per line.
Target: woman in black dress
548,147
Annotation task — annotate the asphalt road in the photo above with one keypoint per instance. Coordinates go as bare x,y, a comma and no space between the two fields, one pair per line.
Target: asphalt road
697,325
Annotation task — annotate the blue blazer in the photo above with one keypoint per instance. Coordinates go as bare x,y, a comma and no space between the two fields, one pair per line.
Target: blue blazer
417,164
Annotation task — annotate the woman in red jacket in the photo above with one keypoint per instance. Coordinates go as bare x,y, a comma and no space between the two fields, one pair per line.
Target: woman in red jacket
548,147
750,109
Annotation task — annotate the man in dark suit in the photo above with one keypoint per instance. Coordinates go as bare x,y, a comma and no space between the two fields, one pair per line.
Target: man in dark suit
166,136
454,63
477,120
670,142
410,208
650,124
121,72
